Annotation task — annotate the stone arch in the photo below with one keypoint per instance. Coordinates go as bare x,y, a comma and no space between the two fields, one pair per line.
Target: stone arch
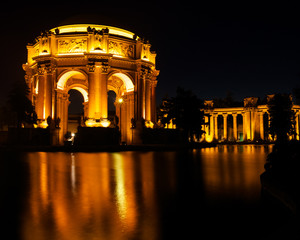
67,80
122,84
125,84
67,74
82,89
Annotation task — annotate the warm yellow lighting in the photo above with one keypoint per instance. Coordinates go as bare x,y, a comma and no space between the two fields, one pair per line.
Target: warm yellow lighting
209,138
97,51
120,100
65,77
90,123
126,80
149,124
43,124
105,122
83,92
70,54
83,28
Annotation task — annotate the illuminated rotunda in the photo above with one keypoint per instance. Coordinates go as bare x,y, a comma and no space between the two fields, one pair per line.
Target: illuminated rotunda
92,59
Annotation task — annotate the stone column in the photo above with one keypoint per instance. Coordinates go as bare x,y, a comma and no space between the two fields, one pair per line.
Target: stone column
225,125
211,121
235,137
147,99
153,101
140,94
206,128
103,91
47,92
40,96
297,125
261,126
244,127
91,106
216,137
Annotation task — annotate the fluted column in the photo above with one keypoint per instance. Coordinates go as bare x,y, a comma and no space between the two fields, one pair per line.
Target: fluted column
216,137
244,127
234,115
211,126
103,91
297,125
225,126
148,100
261,126
48,92
39,108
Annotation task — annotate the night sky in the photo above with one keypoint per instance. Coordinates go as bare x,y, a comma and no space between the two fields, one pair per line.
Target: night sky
249,53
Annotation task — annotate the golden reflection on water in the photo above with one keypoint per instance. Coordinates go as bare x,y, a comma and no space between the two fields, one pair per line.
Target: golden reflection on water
93,196
121,196
232,171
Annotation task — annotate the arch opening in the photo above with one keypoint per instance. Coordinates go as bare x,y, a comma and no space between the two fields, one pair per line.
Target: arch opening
121,82
61,83
75,110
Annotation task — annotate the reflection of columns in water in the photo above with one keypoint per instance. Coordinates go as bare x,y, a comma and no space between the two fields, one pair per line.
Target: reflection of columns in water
225,126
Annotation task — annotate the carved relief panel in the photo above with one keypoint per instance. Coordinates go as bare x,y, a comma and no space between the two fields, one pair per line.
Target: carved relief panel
122,49
72,45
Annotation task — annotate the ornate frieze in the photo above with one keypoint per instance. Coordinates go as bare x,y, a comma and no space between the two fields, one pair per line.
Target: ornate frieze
72,45
120,48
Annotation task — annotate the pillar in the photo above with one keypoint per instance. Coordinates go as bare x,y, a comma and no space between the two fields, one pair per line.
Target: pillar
235,137
153,101
216,137
225,126
40,97
211,122
103,92
97,91
48,93
206,128
147,100
139,96
244,127
91,107
247,125
297,125
261,126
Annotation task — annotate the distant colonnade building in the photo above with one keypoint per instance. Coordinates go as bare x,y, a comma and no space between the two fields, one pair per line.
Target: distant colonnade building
248,123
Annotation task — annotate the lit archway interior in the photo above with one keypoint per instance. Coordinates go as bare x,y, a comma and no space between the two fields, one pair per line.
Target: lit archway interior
61,83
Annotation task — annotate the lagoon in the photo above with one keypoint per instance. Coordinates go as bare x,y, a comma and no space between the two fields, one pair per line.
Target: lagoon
208,193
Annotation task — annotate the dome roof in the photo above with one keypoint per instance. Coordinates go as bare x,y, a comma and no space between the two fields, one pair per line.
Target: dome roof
83,28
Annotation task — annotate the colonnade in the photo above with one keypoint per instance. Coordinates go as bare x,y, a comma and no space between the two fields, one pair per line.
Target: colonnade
251,125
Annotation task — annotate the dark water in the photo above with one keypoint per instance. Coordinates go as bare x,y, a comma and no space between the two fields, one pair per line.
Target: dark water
211,193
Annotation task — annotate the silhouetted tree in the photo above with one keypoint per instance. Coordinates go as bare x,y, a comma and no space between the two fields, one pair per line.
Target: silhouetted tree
184,110
282,117
163,112
19,103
